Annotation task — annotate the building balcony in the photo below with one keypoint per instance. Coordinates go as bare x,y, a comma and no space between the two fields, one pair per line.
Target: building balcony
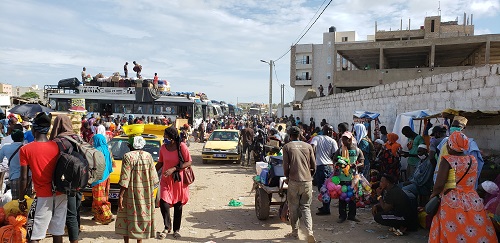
302,81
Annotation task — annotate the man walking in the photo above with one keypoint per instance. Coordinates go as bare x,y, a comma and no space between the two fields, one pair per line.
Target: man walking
324,147
299,166
247,139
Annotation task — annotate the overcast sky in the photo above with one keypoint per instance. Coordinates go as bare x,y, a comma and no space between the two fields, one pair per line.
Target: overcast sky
211,46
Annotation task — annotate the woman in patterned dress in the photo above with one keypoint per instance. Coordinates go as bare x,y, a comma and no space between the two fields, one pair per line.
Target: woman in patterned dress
100,189
136,203
461,216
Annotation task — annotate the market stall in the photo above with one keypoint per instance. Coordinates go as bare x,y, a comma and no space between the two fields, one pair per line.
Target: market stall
366,118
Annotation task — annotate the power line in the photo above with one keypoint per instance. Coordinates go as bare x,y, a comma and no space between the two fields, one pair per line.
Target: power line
290,95
306,30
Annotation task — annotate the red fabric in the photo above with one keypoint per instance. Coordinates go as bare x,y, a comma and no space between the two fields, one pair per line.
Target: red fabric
155,80
41,157
172,192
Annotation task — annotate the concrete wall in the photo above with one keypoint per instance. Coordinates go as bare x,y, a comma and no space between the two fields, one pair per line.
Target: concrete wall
473,89
363,78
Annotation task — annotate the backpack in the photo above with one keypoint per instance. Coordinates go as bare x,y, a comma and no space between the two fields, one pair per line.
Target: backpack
72,170
94,157
372,148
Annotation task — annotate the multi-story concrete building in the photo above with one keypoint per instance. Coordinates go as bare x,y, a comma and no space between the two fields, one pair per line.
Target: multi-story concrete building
311,65
6,89
435,48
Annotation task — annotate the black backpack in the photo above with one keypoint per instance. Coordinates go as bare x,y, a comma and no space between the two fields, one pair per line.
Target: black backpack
72,169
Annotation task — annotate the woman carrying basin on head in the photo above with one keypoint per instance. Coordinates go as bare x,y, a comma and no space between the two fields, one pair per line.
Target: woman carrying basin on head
173,191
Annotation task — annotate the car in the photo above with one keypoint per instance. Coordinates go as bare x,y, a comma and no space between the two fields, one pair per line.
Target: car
223,144
118,146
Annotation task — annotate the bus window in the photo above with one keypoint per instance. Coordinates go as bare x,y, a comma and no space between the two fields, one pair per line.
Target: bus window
122,107
91,106
165,109
198,111
63,104
143,109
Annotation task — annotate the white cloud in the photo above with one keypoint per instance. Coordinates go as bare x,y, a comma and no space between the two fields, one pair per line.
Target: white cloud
213,45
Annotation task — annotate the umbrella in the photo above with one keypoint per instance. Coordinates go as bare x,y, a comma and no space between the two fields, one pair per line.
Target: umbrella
29,110
77,109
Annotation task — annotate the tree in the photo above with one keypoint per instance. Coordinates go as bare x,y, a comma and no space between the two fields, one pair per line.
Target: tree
30,95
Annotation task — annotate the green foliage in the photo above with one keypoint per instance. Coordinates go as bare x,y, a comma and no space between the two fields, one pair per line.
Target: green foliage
30,95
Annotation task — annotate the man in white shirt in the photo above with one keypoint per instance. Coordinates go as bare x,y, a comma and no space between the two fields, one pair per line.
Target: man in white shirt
324,147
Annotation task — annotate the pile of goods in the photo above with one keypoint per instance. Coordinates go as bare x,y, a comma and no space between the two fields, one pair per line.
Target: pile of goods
359,188
13,222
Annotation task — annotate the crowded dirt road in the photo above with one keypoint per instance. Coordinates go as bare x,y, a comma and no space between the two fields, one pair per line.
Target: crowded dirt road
207,217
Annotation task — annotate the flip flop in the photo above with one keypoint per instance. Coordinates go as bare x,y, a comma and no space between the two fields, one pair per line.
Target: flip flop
292,235
398,233
392,229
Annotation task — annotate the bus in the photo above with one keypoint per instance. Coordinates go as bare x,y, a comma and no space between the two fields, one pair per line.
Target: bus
119,101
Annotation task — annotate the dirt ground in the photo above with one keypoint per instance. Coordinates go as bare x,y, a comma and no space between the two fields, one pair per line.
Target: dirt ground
208,218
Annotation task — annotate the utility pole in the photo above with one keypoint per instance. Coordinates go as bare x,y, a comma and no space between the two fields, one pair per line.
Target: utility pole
271,62
282,100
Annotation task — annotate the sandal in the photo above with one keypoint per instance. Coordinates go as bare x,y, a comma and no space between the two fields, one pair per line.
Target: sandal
398,233
162,235
177,235
392,229
292,235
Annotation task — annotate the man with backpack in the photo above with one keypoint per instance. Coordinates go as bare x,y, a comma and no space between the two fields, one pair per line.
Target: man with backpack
48,211
61,131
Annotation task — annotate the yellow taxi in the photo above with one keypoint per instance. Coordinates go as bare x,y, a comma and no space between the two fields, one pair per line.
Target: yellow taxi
118,146
223,144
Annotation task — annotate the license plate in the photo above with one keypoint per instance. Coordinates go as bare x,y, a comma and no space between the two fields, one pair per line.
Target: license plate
220,155
113,195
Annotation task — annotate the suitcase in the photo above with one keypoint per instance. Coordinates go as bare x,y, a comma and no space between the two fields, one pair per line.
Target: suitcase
71,83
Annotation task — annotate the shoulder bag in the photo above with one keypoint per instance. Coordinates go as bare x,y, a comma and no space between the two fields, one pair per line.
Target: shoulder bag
188,178
432,206
12,156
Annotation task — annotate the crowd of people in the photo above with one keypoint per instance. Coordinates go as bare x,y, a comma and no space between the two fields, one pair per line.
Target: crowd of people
31,165
310,155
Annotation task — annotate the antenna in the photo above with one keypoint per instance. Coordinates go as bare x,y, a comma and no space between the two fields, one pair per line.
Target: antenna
439,8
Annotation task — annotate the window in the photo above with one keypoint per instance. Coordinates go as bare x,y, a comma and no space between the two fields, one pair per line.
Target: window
329,61
63,104
165,109
92,106
344,39
143,109
432,25
123,107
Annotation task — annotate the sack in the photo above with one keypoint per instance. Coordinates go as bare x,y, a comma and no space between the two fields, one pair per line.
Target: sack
283,212
94,157
14,232
432,206
188,176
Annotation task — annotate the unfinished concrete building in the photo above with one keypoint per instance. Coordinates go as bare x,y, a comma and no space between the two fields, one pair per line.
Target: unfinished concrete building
434,48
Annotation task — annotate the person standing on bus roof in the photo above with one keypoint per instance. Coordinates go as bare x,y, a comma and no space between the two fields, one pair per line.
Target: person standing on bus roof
137,68
155,81
125,69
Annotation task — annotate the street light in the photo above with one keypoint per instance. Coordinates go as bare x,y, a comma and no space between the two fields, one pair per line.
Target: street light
270,86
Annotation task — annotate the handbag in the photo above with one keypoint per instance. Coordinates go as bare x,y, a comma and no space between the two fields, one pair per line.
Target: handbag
188,177
432,206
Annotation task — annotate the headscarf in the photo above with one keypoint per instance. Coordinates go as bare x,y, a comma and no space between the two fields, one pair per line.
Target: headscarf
379,141
41,123
62,127
361,132
458,142
101,145
392,144
137,142
101,130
